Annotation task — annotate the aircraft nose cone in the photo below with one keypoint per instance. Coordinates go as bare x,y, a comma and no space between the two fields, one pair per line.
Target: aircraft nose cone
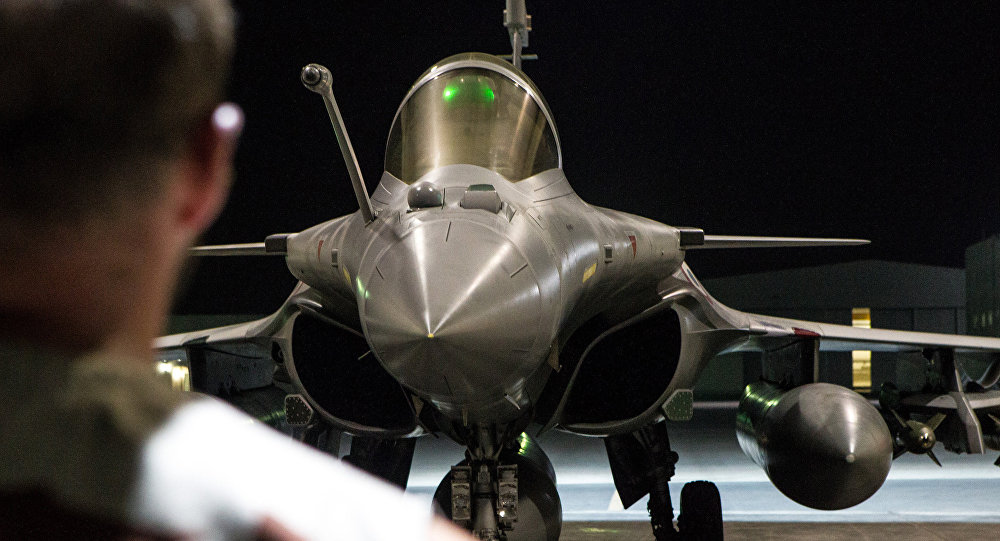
453,311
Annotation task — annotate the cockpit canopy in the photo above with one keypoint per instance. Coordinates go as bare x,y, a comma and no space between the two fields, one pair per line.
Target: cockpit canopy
473,109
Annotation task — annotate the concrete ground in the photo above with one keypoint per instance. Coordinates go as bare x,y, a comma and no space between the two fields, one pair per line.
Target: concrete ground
918,501
805,531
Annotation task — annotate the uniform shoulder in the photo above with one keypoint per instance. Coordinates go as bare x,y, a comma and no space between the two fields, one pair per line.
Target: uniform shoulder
80,426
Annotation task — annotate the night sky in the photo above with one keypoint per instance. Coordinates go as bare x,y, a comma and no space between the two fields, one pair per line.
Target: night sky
875,120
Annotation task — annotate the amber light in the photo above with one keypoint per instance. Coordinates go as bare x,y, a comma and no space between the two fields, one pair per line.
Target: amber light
861,318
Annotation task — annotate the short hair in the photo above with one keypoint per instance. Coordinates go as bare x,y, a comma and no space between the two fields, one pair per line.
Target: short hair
97,97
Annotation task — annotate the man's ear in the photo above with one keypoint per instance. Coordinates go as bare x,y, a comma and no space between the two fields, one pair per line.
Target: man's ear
207,170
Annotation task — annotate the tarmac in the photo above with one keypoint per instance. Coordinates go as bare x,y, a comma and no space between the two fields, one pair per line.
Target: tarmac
919,500
767,531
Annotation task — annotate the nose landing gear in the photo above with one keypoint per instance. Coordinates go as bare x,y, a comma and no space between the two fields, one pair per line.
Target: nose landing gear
511,497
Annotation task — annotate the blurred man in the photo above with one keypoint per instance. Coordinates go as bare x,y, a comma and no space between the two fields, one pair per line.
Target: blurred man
115,154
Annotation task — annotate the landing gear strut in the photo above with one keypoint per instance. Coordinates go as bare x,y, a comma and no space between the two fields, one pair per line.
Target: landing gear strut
503,495
643,463
484,498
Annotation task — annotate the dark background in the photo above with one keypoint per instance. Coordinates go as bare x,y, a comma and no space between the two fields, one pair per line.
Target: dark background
876,120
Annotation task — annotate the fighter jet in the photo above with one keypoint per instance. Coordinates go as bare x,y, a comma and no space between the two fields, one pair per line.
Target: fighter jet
475,295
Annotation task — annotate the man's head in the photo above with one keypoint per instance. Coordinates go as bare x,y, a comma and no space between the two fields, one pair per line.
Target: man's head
114,152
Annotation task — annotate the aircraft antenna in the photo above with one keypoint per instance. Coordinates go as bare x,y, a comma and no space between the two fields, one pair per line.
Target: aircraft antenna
318,79
518,24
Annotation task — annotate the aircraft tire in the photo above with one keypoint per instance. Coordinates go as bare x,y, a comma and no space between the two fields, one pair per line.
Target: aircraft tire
700,516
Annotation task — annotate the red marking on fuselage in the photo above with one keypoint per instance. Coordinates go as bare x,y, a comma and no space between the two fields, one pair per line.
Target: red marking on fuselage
631,238
804,332
319,251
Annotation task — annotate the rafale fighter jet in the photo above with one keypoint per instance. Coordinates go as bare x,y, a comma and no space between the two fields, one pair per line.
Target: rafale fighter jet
475,295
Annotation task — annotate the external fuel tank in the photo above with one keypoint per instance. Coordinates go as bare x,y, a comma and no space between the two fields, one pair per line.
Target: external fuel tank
822,445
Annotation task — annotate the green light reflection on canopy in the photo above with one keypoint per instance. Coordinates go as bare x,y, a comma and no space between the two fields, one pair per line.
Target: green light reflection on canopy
475,89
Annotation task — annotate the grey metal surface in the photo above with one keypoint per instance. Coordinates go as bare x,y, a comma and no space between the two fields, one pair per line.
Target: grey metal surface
821,444
431,303
715,242
518,24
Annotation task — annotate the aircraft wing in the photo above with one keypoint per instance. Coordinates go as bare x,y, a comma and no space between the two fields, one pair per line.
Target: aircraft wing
239,359
845,338
235,360
266,327
714,242
228,334
717,316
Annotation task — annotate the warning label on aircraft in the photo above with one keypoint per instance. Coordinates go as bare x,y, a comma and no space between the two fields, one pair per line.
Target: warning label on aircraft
631,238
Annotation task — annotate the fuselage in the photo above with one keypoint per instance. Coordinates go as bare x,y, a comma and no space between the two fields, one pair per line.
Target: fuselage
467,306
481,260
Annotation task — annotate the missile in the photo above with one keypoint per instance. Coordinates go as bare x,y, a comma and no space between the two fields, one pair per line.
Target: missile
822,445
916,437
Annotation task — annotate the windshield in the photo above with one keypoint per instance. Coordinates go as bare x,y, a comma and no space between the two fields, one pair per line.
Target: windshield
474,116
